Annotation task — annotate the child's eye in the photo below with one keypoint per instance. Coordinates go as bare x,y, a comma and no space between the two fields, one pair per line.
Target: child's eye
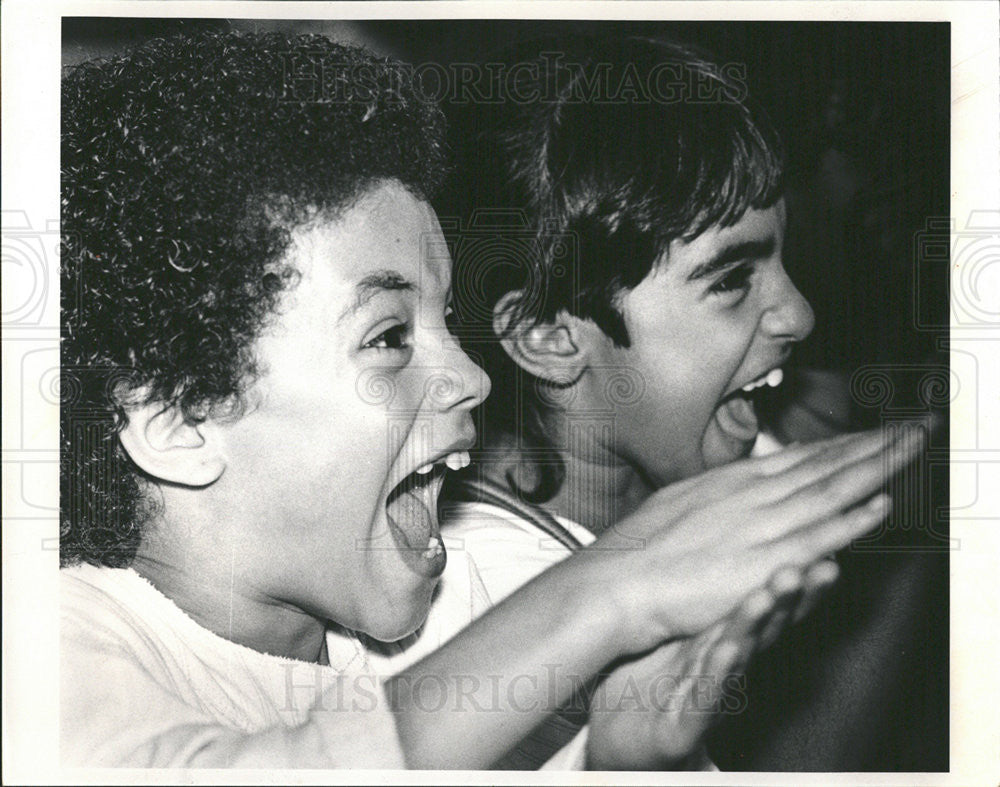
393,338
737,280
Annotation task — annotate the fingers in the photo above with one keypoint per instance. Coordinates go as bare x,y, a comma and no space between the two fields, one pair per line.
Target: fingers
713,653
765,612
728,657
809,544
746,622
833,488
844,488
775,478
787,586
684,657
819,578
724,650
796,592
831,457
814,482
793,455
727,646
848,470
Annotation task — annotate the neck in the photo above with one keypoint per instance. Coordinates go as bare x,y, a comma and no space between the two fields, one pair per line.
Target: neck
201,574
598,489
596,494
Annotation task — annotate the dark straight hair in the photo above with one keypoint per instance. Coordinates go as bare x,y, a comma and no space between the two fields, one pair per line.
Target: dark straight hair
603,152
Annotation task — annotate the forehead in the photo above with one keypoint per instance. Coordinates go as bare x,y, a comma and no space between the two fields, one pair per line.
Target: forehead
387,229
755,227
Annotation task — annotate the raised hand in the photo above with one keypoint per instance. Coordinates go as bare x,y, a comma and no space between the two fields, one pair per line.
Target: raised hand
695,549
652,713
683,561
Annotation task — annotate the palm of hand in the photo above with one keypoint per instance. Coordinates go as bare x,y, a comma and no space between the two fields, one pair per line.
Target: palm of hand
653,713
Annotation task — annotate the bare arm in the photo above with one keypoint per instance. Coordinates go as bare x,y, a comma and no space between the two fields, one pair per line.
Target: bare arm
691,554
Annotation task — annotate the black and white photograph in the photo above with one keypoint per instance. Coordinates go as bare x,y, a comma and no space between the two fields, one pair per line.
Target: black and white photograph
451,389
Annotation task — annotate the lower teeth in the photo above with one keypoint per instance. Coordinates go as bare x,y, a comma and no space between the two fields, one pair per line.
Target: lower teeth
434,548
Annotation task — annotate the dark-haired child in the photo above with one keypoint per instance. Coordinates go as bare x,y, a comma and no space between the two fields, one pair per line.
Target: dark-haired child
622,249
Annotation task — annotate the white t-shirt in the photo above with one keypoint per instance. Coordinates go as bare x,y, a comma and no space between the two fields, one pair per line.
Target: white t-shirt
491,553
144,685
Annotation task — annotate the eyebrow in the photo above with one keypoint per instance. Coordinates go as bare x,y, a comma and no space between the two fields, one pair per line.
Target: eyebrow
732,254
373,284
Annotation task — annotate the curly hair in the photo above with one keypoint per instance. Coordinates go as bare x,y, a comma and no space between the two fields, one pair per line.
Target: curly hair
186,163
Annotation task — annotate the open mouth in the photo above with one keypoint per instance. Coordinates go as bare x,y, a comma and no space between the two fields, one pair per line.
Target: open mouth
736,415
411,509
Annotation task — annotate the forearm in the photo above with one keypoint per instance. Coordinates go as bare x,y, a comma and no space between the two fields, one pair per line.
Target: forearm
681,562
468,703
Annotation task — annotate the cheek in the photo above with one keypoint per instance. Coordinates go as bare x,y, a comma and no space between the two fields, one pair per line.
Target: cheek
682,387
334,457
394,387
664,423
682,392
720,356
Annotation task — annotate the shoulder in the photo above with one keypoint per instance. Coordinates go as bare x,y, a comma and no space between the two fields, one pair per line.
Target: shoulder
109,624
95,603
503,549
115,615
490,532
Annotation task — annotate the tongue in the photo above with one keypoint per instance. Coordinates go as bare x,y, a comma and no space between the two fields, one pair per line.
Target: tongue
412,526
411,522
738,419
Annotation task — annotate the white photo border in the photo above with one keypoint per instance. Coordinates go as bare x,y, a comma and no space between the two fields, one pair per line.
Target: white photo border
31,34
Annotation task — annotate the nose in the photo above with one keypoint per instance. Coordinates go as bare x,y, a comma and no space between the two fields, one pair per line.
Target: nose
459,383
789,317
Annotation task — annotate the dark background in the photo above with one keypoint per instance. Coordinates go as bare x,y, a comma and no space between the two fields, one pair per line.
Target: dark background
861,685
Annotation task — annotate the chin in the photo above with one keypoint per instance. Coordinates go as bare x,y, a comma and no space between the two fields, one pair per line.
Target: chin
393,632
734,455
718,450
401,620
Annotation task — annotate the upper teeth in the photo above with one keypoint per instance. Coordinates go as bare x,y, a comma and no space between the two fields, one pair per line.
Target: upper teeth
456,460
773,379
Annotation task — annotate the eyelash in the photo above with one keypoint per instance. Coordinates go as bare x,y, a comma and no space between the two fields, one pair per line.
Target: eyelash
396,335
394,338
737,280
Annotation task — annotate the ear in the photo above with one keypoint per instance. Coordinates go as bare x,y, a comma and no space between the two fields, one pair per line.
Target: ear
551,351
169,447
